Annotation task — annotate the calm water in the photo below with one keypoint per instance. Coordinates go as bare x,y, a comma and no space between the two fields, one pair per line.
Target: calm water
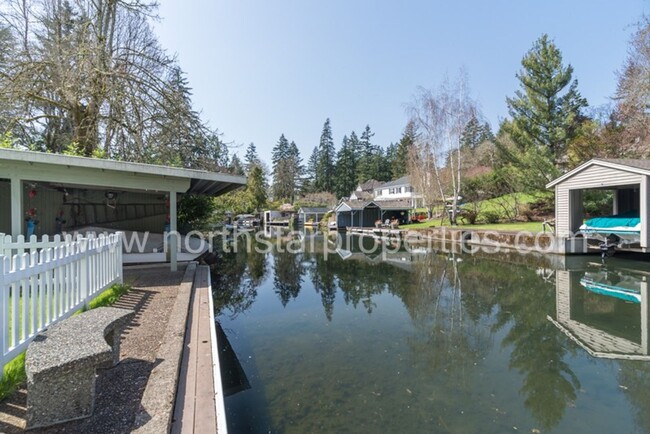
432,342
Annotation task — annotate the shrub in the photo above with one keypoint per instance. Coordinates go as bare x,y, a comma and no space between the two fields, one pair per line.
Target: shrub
470,216
490,217
194,210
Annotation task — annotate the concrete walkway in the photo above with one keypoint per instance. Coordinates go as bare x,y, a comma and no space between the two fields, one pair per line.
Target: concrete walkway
150,354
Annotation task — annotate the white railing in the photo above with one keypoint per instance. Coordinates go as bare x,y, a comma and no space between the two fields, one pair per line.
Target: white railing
50,283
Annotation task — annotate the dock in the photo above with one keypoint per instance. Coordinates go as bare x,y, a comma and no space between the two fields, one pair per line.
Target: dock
377,232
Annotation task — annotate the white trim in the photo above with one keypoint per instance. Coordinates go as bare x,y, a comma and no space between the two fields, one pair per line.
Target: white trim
220,406
340,207
118,166
608,164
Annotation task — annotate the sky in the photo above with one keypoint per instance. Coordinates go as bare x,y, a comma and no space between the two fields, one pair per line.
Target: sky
261,68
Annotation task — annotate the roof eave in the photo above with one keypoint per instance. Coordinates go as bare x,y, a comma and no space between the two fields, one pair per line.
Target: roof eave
598,162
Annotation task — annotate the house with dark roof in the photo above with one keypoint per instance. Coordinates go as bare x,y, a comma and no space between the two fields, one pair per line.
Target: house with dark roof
369,186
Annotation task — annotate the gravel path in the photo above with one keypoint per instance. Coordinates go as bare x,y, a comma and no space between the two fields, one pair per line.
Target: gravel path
119,389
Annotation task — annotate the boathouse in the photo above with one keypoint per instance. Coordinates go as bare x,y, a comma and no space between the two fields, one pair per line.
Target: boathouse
627,179
311,215
46,194
364,214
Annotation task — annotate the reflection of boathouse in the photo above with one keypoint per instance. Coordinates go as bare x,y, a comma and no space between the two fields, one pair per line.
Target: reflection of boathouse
604,313
373,250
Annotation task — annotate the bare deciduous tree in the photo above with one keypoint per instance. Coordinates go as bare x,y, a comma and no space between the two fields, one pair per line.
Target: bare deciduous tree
632,110
436,162
91,74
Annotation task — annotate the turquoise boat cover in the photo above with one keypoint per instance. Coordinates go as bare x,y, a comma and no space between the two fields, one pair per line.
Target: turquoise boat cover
628,219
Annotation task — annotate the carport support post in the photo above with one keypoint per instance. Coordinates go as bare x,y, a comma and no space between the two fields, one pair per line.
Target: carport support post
644,197
173,234
16,207
644,318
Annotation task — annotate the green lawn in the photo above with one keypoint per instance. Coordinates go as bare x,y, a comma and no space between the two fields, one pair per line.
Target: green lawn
509,200
533,227
501,206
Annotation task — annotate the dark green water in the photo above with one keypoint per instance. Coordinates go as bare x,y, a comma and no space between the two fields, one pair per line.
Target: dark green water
432,342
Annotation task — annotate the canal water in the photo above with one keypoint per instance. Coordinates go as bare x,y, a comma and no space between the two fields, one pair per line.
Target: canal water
426,340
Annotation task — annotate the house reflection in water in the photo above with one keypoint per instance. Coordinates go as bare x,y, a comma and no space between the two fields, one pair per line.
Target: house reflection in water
375,250
604,312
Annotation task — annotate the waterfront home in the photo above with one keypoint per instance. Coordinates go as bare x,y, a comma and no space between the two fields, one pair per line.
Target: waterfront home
399,189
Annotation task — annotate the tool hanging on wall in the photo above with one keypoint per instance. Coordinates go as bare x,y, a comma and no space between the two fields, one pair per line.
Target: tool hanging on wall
32,221
30,215
111,199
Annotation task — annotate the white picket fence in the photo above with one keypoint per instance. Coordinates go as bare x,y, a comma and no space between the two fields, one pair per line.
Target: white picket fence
20,245
50,281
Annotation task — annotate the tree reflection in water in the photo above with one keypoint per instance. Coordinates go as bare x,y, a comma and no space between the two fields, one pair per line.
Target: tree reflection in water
236,276
454,327
524,300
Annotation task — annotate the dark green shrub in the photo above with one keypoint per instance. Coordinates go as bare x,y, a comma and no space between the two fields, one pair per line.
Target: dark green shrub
194,210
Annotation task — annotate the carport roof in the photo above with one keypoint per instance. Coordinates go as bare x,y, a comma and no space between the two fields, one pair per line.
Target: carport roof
118,174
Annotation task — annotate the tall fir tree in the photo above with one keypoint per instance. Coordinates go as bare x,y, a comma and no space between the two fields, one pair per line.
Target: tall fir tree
252,158
308,184
280,152
324,179
400,164
547,111
475,133
345,181
296,168
368,165
287,170
236,167
391,157
282,186
257,187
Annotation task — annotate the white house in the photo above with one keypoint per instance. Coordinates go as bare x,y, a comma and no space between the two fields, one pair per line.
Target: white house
399,189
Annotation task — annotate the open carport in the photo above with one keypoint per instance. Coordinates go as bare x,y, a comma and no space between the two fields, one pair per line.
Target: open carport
65,193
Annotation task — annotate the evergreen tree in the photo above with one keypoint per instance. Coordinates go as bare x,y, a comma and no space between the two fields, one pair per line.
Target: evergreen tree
324,179
257,187
310,173
235,167
252,158
355,145
282,187
390,160
400,164
367,166
546,111
470,138
345,181
297,170
287,170
280,152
